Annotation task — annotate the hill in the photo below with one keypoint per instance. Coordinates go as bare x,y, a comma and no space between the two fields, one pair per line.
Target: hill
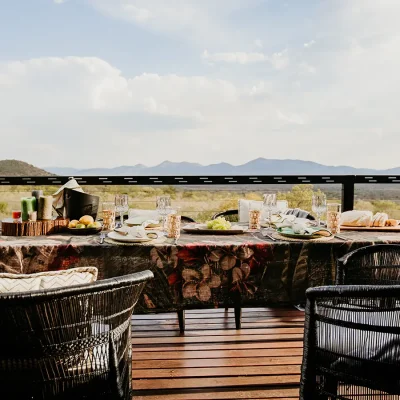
260,166
20,168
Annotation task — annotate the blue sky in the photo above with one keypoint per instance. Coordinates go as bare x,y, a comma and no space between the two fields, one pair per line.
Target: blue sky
89,83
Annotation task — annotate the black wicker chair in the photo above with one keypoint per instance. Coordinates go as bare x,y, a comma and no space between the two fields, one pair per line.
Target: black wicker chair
379,264
69,343
351,343
229,215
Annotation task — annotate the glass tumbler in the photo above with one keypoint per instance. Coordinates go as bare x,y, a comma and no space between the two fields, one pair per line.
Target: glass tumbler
174,226
254,219
108,216
333,212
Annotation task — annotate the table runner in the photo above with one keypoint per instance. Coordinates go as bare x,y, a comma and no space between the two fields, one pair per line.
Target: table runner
199,271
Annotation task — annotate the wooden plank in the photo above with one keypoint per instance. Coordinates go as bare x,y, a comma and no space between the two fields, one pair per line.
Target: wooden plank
216,371
218,346
292,313
215,339
213,360
174,355
222,332
195,383
216,362
220,321
214,327
270,394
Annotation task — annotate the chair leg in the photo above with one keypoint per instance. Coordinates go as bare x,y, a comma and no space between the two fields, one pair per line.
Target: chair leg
226,309
181,319
238,317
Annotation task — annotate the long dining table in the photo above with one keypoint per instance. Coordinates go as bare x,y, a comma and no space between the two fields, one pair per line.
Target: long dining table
197,271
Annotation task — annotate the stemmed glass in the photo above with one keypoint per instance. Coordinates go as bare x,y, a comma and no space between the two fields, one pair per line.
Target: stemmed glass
269,204
121,206
319,205
163,205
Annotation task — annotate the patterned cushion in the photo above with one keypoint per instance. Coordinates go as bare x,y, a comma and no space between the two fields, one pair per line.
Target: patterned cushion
46,280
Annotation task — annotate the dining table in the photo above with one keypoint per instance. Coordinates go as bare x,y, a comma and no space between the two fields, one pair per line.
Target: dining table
197,270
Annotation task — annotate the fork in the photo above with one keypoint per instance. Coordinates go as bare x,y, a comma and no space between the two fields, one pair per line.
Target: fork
102,237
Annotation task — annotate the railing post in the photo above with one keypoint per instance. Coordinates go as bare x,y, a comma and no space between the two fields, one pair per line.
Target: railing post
348,193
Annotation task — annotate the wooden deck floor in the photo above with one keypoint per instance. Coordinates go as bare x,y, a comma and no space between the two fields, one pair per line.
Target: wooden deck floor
213,360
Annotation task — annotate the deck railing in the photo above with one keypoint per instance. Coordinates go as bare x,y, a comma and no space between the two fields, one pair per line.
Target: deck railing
347,182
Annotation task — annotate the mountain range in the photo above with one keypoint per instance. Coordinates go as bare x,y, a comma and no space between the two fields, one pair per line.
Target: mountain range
259,166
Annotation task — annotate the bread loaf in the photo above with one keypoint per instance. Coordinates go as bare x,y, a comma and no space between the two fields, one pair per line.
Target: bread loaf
392,222
379,220
356,218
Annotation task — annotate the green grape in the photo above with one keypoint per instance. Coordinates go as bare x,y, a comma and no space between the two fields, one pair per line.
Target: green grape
220,224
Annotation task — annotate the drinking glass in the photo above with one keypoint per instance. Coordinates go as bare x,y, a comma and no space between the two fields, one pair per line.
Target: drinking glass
333,213
269,204
121,206
108,216
163,205
174,225
318,205
254,218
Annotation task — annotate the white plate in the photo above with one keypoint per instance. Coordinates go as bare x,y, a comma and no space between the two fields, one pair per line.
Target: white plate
128,238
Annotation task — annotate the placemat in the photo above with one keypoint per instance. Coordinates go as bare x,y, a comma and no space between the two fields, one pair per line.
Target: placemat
276,235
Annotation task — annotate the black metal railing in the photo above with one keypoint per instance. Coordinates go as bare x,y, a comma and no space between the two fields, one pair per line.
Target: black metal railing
347,182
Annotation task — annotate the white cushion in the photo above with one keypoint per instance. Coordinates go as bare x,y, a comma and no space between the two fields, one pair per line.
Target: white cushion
140,216
46,280
244,207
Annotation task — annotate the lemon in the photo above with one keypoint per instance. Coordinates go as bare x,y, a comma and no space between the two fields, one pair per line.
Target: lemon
81,226
86,220
73,223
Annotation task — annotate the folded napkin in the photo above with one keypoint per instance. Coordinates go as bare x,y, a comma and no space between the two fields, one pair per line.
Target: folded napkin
134,231
307,231
58,202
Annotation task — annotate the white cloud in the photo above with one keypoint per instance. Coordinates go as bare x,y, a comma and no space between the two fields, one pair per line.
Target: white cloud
259,43
309,44
201,21
235,57
59,1
277,60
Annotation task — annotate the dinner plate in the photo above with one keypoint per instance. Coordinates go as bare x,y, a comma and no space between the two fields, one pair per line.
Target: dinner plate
293,235
128,238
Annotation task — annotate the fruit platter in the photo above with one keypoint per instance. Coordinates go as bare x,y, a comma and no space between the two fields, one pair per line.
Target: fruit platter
86,225
218,226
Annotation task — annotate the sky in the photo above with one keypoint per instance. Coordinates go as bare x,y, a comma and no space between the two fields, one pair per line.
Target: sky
104,83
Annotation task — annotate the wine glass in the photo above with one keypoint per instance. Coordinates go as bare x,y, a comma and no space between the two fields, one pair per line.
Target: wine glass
319,205
269,204
163,205
121,206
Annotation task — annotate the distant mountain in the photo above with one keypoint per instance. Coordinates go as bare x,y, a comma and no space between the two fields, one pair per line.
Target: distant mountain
260,166
20,168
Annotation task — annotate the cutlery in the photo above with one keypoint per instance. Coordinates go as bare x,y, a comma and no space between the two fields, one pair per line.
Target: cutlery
341,237
102,237
268,236
124,233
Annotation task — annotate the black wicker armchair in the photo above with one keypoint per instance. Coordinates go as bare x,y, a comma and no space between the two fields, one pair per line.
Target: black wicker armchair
379,264
233,215
69,343
351,343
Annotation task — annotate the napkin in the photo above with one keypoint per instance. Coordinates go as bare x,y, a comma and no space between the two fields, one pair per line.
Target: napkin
310,230
134,231
58,202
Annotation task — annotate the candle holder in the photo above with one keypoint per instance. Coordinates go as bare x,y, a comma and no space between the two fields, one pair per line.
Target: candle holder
108,216
254,219
173,226
16,215
333,213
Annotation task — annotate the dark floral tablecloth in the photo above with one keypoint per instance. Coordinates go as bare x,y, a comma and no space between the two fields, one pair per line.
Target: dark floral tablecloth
200,271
